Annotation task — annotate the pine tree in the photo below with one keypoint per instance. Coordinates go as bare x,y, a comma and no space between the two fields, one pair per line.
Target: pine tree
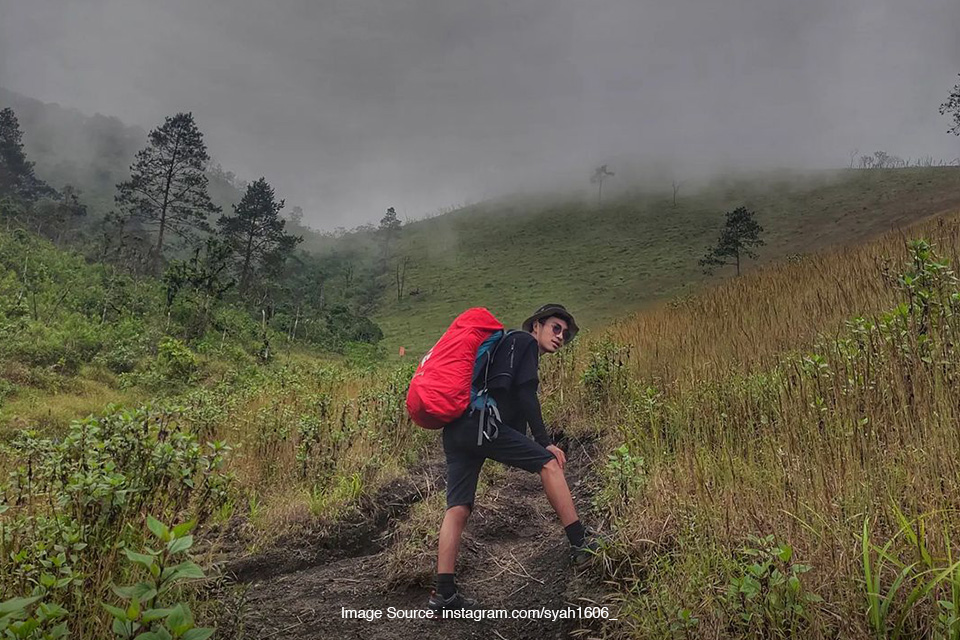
389,233
740,232
17,179
167,191
389,229
256,232
390,223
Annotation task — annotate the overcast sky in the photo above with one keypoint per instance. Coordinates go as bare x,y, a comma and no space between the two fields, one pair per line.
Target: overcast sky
350,106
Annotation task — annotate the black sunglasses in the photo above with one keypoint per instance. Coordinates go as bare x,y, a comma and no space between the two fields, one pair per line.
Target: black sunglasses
558,329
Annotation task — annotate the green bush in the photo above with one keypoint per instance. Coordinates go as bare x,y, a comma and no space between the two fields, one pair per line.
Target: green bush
7,389
605,378
363,355
71,500
175,360
129,343
65,346
343,326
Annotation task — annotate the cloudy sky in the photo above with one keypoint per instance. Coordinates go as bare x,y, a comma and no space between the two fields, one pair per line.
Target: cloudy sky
350,106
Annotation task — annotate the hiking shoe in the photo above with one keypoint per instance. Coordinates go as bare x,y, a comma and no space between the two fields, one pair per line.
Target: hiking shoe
438,604
593,542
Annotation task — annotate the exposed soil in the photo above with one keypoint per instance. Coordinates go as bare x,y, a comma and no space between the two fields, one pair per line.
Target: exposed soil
514,556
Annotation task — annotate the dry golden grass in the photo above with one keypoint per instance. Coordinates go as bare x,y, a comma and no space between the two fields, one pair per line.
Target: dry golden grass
758,409
745,322
309,448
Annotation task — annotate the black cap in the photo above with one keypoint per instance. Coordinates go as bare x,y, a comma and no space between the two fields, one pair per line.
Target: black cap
557,310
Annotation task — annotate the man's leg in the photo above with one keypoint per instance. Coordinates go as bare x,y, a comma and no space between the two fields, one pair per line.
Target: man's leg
463,471
558,493
454,521
514,448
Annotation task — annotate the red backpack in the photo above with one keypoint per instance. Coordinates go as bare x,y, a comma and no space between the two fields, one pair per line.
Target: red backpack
440,391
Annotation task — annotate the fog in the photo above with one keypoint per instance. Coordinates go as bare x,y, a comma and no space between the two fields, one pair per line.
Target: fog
350,106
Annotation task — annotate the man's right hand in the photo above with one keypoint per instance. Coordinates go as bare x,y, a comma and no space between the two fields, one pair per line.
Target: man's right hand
558,454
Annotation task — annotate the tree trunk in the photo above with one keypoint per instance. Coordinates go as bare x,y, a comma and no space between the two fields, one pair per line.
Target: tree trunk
247,257
401,276
296,323
158,258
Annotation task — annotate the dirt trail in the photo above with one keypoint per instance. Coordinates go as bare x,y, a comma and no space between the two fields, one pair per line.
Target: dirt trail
514,556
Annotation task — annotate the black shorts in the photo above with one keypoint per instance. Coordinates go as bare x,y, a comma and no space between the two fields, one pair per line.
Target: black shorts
465,457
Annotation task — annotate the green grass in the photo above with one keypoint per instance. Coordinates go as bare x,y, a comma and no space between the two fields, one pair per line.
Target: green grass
604,262
49,411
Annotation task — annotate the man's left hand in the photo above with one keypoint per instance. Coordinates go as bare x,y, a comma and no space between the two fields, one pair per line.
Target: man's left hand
558,454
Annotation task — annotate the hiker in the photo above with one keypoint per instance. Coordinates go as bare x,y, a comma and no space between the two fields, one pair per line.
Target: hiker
512,380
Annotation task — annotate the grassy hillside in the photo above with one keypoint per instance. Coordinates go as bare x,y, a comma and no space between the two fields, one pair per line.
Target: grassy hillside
778,424
605,261
782,447
76,336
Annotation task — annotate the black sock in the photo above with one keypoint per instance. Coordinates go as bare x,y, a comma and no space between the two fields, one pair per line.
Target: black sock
445,585
576,534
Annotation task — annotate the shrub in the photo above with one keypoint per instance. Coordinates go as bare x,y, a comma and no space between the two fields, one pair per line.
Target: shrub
768,598
7,389
625,475
153,613
175,360
605,377
73,499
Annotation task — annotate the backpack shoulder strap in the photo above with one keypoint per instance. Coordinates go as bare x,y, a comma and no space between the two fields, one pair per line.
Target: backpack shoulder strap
481,398
491,354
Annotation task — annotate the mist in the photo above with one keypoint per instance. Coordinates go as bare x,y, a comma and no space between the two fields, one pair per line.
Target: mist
348,107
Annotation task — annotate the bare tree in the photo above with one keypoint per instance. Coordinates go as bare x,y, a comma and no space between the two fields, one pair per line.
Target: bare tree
882,160
401,275
599,175
676,190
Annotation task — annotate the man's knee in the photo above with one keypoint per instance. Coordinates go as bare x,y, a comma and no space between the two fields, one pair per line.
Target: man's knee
551,468
459,512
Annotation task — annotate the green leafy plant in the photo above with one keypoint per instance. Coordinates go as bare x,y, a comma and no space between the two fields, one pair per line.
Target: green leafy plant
768,598
150,614
625,475
70,501
44,622
888,613
685,624
605,377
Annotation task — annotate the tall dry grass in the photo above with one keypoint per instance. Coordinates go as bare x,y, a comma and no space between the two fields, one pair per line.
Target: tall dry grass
313,442
812,401
747,322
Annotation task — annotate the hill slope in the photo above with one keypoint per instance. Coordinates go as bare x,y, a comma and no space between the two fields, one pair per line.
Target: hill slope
605,261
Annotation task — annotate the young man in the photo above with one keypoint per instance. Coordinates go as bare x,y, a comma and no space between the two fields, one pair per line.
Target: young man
512,381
